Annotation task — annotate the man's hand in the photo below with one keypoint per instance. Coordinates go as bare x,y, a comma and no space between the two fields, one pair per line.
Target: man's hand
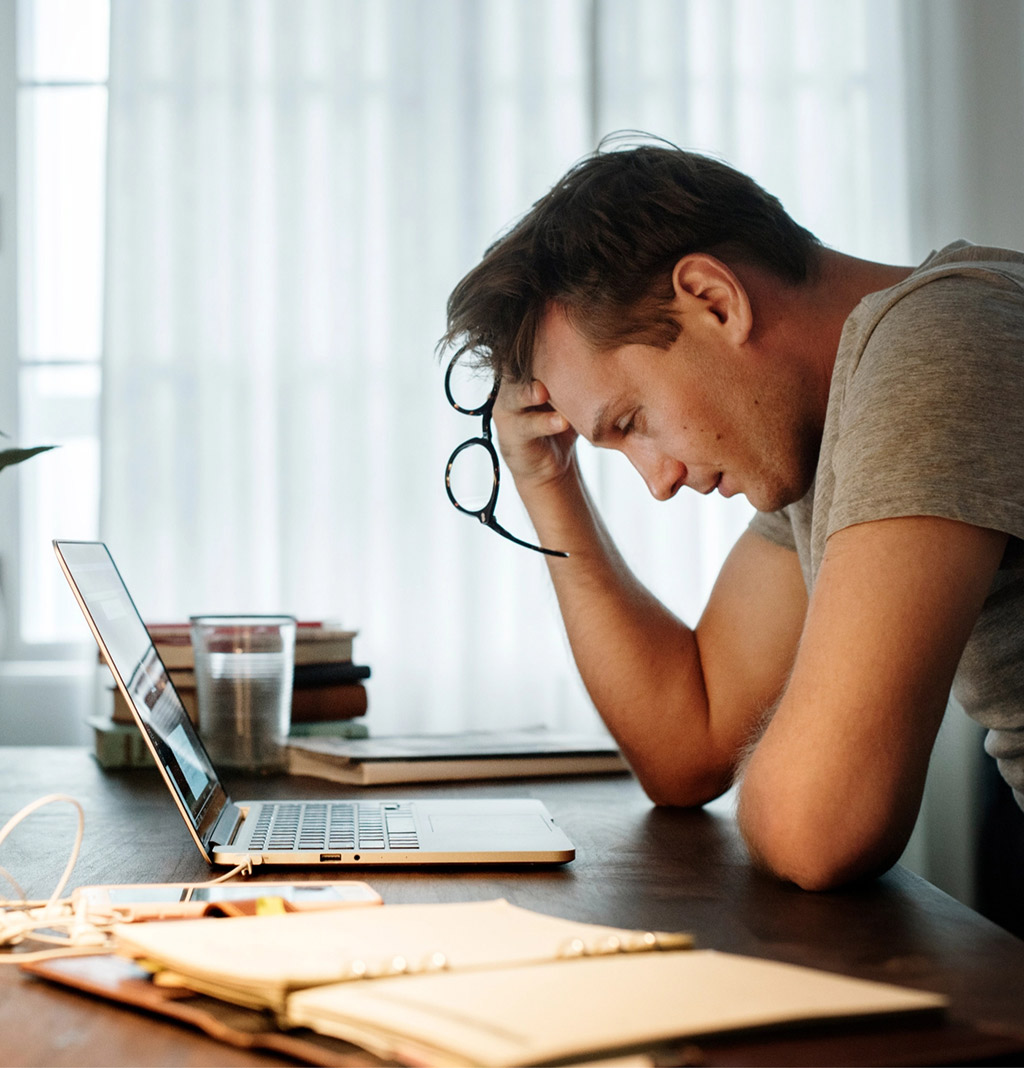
535,440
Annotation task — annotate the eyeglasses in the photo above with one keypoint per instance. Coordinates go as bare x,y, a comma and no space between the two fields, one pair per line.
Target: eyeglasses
465,478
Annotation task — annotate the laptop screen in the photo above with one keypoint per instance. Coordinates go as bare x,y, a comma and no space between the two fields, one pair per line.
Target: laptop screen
135,663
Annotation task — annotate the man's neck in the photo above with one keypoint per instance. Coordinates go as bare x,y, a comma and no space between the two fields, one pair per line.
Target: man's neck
840,284
804,322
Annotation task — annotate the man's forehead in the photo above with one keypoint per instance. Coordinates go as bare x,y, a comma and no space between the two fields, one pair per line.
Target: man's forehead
562,353
557,336
585,385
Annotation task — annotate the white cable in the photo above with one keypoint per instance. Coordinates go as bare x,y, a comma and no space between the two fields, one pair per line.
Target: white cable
65,950
27,811
244,868
87,929
4,873
16,921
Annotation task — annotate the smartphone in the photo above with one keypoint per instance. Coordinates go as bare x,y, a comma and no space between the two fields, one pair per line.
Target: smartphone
163,901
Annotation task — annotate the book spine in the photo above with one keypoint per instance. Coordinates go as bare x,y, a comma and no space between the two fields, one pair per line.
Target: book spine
304,761
314,644
335,728
313,704
120,712
312,664
327,674
119,745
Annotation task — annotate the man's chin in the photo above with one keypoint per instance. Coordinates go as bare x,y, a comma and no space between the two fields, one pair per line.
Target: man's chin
773,498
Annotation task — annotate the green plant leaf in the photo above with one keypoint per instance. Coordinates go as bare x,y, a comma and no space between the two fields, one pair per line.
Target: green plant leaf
15,456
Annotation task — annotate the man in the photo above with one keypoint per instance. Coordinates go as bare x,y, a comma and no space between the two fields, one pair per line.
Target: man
659,303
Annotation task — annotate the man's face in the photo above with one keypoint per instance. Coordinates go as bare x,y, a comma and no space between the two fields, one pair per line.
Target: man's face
704,413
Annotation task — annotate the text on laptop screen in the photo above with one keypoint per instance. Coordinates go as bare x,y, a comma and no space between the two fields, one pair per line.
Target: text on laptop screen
133,657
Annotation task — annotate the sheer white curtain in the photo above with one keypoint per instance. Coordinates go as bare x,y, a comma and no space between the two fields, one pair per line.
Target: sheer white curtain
294,188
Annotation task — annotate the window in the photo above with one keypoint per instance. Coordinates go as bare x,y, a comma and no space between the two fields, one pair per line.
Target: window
52,250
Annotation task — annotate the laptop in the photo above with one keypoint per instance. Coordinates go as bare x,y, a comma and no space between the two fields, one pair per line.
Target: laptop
336,832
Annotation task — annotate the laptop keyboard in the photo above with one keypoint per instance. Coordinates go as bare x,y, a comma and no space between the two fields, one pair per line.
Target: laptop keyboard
333,826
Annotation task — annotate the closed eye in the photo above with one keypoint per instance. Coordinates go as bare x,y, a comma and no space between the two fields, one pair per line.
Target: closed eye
628,424
609,425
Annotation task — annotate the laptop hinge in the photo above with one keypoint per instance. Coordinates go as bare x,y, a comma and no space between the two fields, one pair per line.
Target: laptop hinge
230,820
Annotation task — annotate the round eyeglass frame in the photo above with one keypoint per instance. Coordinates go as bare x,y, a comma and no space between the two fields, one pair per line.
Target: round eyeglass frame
485,514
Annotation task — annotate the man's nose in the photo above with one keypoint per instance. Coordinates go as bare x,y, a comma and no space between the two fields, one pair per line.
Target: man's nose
663,475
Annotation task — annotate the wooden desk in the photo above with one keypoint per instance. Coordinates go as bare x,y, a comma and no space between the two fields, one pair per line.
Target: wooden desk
636,866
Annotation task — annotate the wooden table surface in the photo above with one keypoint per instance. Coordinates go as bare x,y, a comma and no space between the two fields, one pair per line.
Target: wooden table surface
637,866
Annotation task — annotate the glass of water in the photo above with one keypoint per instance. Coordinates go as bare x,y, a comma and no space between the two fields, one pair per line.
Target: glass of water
244,670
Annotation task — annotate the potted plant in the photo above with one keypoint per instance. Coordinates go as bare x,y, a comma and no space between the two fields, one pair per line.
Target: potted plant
15,456
8,457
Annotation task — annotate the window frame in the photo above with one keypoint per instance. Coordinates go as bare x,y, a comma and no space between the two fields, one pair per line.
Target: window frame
19,655
10,639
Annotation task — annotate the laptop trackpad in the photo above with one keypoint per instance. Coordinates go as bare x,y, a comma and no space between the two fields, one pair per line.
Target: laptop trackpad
487,828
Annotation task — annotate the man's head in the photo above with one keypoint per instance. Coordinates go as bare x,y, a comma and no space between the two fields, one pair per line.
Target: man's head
602,244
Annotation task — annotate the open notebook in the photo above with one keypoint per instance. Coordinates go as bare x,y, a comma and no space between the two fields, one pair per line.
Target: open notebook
488,983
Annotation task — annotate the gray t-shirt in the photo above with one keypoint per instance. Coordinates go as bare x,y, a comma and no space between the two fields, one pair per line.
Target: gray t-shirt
926,417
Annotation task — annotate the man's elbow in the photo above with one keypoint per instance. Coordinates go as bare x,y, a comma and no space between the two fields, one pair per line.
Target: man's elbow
814,853
672,789
814,870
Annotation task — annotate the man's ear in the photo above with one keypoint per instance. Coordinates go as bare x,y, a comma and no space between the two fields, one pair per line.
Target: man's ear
705,286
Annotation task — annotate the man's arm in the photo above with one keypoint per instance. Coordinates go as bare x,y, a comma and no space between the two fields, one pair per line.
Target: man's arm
832,790
681,702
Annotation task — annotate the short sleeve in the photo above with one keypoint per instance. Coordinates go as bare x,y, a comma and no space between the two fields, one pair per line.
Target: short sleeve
932,419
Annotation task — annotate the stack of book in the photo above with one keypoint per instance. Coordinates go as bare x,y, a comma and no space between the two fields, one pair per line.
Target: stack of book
329,695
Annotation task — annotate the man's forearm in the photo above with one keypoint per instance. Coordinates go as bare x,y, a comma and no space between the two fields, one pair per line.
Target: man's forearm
832,790
640,664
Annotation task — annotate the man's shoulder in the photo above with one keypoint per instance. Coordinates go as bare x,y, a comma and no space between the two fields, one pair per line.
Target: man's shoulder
967,271
952,302
968,254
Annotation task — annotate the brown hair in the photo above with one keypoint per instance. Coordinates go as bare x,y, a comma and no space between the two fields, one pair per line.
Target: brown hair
603,242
